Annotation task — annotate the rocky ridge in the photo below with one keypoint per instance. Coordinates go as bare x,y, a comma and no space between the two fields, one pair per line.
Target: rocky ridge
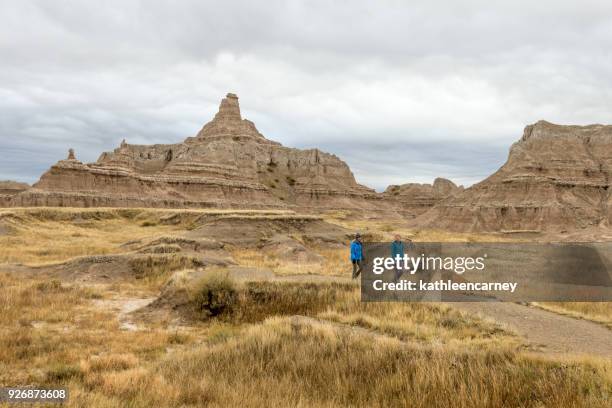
556,179
229,163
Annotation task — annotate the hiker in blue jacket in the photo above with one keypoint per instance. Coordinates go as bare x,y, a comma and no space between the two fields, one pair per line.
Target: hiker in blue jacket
397,249
357,255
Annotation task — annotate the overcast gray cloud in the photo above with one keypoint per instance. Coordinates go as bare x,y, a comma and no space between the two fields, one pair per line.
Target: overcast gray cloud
403,91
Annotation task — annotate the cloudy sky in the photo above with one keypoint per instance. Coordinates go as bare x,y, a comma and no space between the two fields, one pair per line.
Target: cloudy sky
404,91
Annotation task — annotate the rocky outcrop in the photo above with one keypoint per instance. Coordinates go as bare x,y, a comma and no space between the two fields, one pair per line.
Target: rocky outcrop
9,189
229,163
414,199
557,178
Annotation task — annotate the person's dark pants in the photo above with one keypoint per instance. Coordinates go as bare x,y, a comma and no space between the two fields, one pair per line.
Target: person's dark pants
398,274
356,268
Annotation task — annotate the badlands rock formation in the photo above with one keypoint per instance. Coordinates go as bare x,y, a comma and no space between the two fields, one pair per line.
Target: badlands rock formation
414,199
227,164
557,178
10,188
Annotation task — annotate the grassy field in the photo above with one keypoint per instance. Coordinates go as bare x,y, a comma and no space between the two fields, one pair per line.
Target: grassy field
47,235
352,354
334,264
273,344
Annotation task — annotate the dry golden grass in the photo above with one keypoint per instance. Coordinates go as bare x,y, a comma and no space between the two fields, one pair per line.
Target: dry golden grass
217,296
335,262
600,312
47,235
408,354
52,333
279,363
352,354
53,236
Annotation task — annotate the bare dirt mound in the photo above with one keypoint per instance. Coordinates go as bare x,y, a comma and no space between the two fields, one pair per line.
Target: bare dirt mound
551,332
250,230
112,268
286,237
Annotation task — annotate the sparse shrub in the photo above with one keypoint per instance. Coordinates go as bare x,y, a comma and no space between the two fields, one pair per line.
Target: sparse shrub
53,285
148,224
215,294
179,338
221,333
62,373
162,249
91,293
449,322
290,180
260,300
154,266
110,362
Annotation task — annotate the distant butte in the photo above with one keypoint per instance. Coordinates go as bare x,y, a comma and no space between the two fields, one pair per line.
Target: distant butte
413,199
556,179
229,163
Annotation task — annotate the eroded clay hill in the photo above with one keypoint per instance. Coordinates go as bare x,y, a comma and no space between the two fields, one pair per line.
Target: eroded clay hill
413,199
556,179
227,164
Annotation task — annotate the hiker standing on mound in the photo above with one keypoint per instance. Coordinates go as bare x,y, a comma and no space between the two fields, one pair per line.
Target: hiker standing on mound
356,255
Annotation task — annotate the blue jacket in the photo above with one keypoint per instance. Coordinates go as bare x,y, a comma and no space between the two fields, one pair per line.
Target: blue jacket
397,248
356,251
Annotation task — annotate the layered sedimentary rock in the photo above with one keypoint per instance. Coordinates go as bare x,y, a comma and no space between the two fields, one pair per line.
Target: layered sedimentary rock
557,178
413,199
229,163
8,189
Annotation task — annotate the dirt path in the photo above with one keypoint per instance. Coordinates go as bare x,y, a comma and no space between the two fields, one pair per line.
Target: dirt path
551,332
124,307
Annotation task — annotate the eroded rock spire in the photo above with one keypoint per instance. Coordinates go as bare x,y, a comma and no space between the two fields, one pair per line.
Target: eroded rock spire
228,122
229,110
